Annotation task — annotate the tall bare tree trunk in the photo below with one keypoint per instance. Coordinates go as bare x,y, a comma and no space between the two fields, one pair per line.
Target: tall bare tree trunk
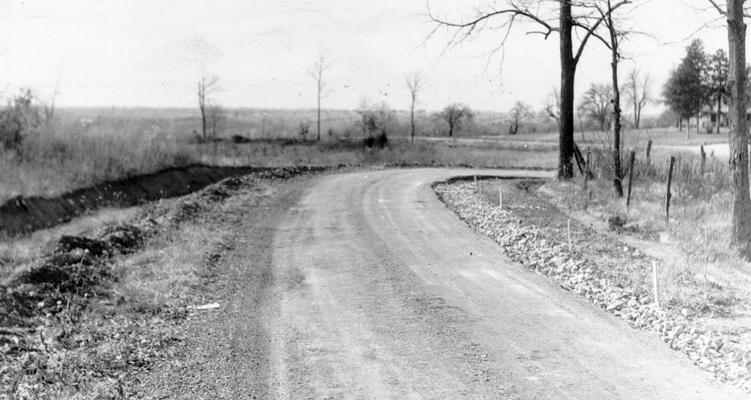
318,122
637,109
719,109
738,139
568,75
617,170
638,118
412,119
203,122
202,106
698,122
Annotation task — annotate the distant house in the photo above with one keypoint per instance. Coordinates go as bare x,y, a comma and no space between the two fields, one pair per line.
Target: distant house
709,116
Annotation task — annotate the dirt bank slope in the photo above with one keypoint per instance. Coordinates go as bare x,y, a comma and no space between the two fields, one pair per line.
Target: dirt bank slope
22,215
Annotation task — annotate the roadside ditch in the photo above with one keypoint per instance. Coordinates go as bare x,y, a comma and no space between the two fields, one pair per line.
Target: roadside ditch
22,215
95,312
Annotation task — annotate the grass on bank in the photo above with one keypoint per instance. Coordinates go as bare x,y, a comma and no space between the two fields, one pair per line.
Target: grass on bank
700,217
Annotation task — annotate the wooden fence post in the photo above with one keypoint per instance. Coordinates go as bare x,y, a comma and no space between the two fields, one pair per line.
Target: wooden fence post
655,288
630,178
703,158
649,159
668,195
579,159
589,159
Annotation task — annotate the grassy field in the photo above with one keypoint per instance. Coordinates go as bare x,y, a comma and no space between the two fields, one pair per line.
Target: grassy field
86,146
83,146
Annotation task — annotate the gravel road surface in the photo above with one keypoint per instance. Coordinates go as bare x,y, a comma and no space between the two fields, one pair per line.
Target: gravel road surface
384,293
365,286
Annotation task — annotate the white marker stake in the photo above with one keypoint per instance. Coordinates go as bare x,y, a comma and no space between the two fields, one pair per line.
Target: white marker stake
706,284
654,283
568,231
500,197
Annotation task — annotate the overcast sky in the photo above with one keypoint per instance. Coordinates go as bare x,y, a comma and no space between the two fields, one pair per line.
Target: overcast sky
151,53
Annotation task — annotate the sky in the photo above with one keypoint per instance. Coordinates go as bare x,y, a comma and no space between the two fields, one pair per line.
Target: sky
152,53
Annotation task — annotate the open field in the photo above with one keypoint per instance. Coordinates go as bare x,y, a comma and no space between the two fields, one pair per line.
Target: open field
85,147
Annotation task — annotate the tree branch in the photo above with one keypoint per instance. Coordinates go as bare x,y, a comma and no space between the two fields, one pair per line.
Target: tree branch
513,12
591,30
717,7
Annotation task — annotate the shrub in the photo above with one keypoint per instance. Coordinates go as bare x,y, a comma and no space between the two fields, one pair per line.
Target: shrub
378,141
17,119
304,130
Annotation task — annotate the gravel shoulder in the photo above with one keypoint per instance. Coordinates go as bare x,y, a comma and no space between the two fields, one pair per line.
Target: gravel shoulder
225,354
613,275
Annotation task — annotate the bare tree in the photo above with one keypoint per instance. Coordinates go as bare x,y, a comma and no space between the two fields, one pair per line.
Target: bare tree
595,104
316,71
48,108
563,17
367,121
304,130
552,106
518,113
637,92
215,116
414,84
738,140
206,86
455,115
614,35
375,118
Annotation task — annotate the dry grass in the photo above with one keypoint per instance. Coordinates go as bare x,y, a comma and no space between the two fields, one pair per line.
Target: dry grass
695,242
56,161
16,254
630,137
65,157
157,277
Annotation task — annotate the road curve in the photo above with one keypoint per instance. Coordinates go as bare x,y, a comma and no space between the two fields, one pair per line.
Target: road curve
382,292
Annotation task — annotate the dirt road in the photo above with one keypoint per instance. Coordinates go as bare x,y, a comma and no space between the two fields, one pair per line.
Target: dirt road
365,286
381,292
